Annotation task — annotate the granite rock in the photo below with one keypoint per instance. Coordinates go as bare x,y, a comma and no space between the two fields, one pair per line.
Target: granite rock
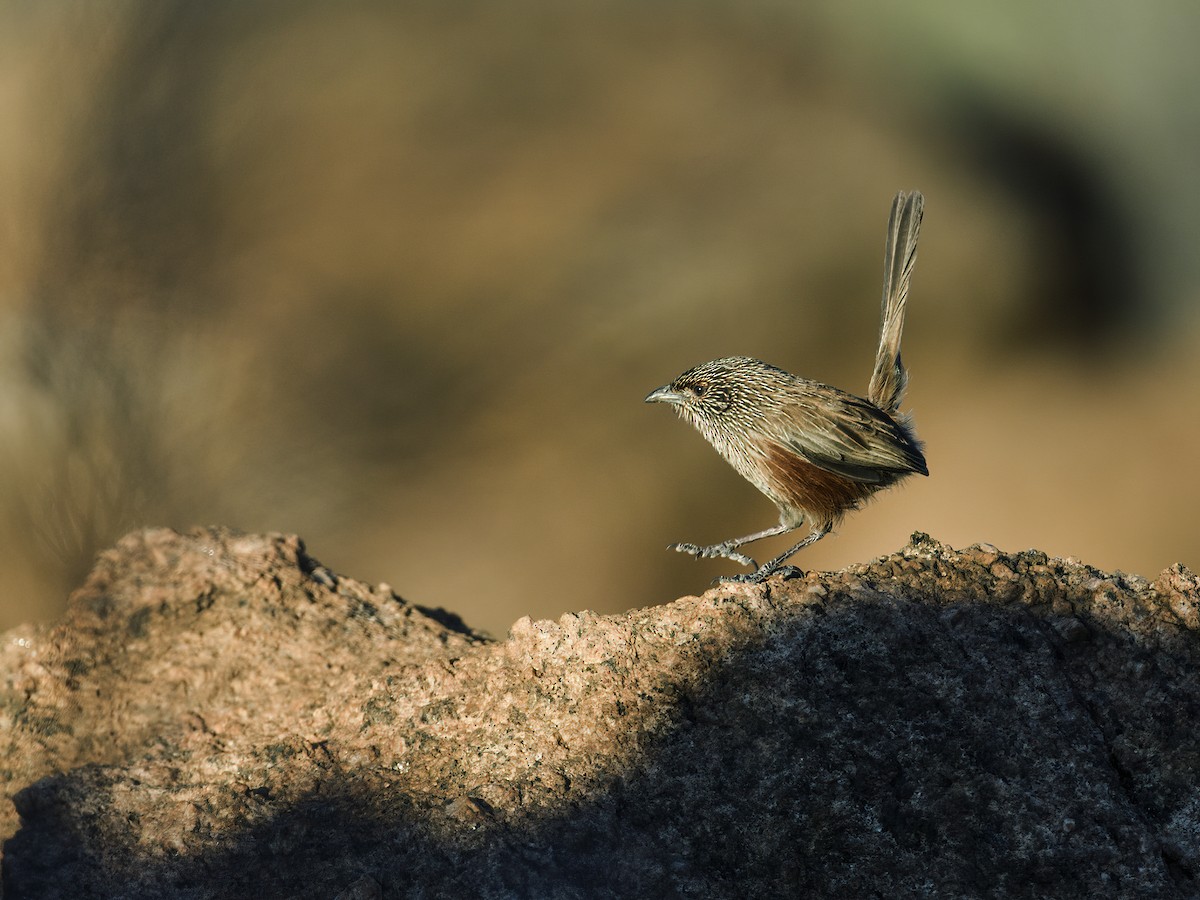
218,715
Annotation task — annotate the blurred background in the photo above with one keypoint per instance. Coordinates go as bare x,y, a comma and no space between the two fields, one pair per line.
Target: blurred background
396,277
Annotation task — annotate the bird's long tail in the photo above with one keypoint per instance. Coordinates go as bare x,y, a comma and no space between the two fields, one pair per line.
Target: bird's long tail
900,255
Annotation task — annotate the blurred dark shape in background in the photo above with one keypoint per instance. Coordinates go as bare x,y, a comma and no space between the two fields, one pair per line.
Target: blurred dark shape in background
396,278
1085,297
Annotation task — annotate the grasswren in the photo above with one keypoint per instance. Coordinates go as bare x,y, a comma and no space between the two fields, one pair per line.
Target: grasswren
816,451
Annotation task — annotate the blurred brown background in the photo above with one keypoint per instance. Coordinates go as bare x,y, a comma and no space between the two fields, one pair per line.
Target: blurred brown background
396,277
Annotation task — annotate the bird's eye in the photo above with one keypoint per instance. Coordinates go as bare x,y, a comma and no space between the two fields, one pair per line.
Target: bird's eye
700,389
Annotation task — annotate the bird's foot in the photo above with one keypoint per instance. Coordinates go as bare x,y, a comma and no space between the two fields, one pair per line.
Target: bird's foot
789,572
716,551
745,578
761,575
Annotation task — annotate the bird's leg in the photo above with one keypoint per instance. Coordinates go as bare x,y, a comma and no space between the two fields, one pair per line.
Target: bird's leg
726,549
769,569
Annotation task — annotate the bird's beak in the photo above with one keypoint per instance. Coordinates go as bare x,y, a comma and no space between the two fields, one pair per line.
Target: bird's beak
664,394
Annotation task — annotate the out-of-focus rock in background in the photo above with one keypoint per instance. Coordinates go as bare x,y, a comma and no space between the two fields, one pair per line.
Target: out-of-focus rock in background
397,278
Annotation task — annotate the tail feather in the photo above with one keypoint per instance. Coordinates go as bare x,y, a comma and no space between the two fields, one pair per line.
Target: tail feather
900,255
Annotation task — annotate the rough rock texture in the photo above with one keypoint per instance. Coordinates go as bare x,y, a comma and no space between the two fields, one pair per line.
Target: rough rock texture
220,716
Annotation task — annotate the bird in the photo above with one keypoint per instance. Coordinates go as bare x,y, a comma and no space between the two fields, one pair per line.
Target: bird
817,452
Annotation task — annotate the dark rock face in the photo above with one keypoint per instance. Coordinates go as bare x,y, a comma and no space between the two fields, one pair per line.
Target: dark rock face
220,716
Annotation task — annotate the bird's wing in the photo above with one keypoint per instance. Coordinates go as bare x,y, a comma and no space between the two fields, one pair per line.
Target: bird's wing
850,437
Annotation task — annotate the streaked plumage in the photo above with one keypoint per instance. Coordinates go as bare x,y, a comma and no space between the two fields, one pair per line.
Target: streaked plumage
814,450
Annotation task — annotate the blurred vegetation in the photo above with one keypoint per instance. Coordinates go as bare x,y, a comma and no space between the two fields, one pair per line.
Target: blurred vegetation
396,277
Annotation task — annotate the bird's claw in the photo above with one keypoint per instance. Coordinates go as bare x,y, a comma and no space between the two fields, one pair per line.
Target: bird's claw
745,578
761,575
716,551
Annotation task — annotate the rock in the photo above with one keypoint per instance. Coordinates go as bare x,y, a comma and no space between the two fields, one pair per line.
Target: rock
217,715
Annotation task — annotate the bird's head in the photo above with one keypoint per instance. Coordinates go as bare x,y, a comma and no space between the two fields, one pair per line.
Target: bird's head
718,392
698,393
